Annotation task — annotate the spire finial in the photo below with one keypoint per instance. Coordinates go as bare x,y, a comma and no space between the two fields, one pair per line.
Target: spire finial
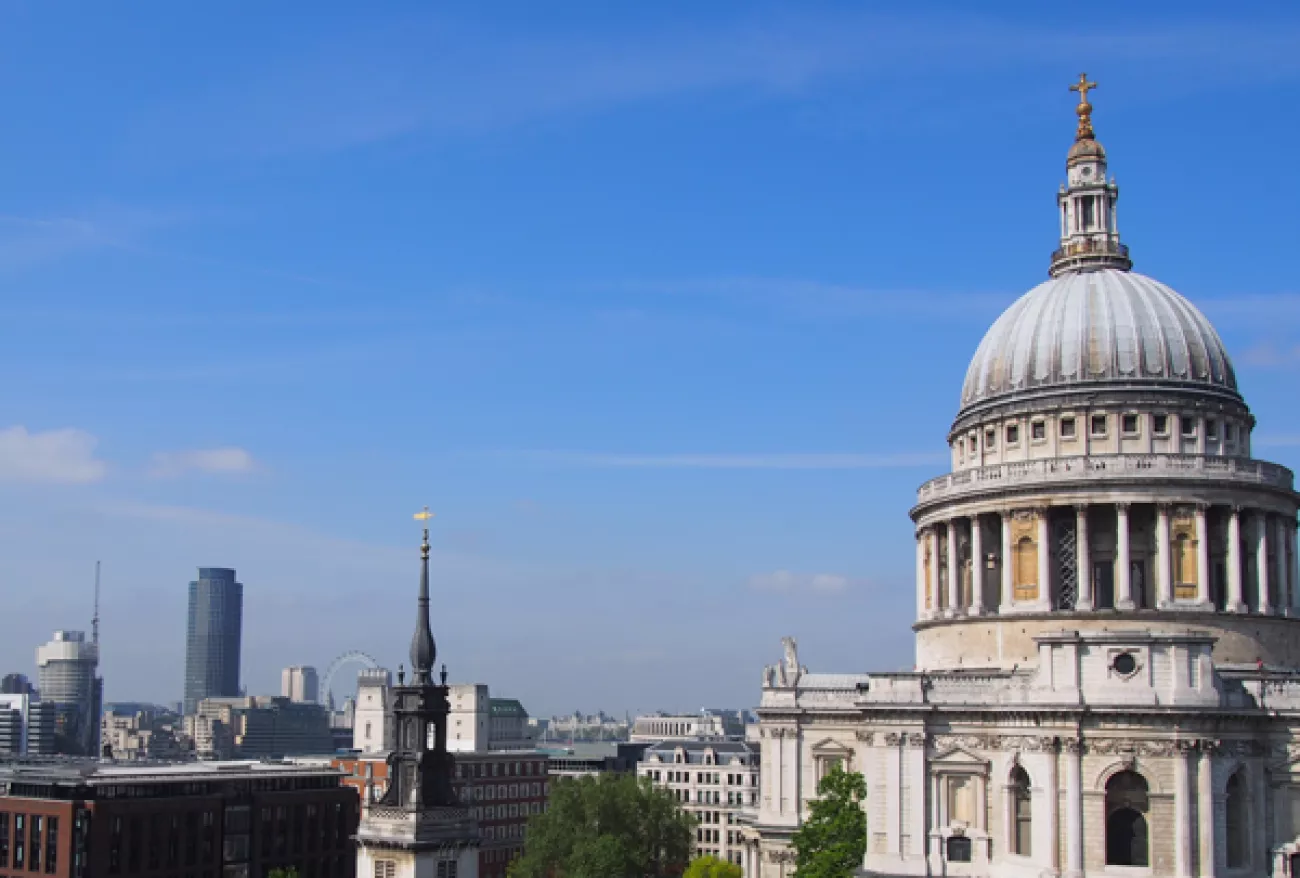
423,650
1084,109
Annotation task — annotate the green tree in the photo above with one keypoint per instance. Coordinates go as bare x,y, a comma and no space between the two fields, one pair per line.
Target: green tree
833,840
283,873
712,867
609,826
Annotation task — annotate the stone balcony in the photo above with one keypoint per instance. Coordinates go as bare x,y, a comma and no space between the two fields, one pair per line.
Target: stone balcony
1118,468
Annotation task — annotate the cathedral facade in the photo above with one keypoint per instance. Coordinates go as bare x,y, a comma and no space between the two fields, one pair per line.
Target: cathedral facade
1107,674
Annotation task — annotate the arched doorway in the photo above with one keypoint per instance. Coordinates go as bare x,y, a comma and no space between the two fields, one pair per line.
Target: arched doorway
1128,841
1238,821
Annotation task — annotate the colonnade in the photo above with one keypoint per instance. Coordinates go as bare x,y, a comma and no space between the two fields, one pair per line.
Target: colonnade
956,557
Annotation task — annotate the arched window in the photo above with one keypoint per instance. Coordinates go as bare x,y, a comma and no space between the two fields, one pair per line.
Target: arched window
1238,820
1026,569
1127,842
1022,813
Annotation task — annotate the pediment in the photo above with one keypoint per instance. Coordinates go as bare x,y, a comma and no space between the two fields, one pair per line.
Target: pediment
960,757
831,747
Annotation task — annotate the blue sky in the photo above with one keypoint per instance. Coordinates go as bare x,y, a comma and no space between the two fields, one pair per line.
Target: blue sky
663,308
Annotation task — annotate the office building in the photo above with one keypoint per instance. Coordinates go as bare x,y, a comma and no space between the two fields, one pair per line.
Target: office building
300,683
258,726
716,782
26,726
66,668
82,818
710,724
16,684
213,633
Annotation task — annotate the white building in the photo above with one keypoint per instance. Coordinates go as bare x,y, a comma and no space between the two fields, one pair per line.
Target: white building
67,666
716,781
371,717
300,683
1107,648
708,723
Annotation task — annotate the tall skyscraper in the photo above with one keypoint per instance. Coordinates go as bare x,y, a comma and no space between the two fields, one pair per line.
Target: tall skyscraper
300,683
66,667
216,618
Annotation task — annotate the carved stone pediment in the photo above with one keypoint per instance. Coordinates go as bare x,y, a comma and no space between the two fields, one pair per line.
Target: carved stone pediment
831,747
959,758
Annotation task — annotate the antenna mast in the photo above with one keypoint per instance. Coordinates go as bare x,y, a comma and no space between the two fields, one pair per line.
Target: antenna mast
94,622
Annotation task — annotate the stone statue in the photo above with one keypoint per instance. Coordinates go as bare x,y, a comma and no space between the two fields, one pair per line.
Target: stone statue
790,670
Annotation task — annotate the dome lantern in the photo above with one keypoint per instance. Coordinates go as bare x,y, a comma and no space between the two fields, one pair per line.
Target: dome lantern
1089,231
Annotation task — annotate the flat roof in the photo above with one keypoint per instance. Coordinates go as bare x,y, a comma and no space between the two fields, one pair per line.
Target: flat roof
95,772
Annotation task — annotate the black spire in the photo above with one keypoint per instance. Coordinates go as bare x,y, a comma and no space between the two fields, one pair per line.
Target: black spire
423,650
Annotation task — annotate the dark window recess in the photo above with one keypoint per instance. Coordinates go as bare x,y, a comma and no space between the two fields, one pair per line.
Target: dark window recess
51,845
990,442
1067,428
1125,663
1038,430
1211,429
1189,426
1160,424
1013,434
1098,425
4,839
1129,424
959,849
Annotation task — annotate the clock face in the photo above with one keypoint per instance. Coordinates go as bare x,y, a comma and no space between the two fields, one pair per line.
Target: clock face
1087,172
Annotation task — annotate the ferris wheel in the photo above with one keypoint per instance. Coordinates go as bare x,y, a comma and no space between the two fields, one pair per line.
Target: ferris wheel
352,657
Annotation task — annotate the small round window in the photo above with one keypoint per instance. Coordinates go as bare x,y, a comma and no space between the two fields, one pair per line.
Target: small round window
1124,663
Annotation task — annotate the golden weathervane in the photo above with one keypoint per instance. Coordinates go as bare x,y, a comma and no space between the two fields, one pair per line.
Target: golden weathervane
1084,109
424,517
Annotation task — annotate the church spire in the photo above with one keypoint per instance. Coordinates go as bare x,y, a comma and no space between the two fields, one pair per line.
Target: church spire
1089,231
423,650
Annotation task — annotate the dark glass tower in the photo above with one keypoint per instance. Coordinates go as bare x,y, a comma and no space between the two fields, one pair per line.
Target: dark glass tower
216,619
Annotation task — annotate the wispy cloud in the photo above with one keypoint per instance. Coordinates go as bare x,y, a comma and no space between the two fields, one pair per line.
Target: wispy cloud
54,456
794,461
392,82
1267,355
25,240
229,460
791,582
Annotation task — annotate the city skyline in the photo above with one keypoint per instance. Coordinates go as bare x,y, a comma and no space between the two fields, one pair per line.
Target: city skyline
667,325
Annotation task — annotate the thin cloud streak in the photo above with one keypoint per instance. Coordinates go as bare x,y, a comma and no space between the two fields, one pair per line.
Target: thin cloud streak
795,461
391,83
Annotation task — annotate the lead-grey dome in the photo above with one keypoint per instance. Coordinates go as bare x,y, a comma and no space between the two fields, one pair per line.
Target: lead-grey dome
1098,327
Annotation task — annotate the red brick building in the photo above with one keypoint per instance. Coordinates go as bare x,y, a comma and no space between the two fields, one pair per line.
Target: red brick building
502,788
86,819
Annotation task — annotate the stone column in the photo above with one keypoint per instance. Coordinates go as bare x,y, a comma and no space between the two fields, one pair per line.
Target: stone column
1207,808
1082,559
1164,570
1124,568
1072,750
1008,580
1261,563
914,753
1202,558
1050,856
1279,568
935,602
1044,562
976,566
1293,569
1235,603
921,584
954,571
1182,813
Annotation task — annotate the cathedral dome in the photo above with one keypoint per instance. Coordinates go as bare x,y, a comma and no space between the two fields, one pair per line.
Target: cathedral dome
1104,327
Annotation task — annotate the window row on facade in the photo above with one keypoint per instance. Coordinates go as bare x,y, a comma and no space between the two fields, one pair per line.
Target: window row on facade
1078,433
1109,556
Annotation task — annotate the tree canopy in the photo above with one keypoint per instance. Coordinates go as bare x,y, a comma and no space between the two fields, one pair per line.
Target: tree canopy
833,840
609,826
712,867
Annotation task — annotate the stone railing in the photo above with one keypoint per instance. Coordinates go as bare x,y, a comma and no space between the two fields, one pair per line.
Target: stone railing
1106,467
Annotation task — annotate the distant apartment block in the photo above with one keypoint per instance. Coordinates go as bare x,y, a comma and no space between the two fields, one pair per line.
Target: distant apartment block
213,634
300,683
716,781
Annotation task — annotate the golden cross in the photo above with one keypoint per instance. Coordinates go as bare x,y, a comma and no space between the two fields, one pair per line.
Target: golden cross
424,516
1082,87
